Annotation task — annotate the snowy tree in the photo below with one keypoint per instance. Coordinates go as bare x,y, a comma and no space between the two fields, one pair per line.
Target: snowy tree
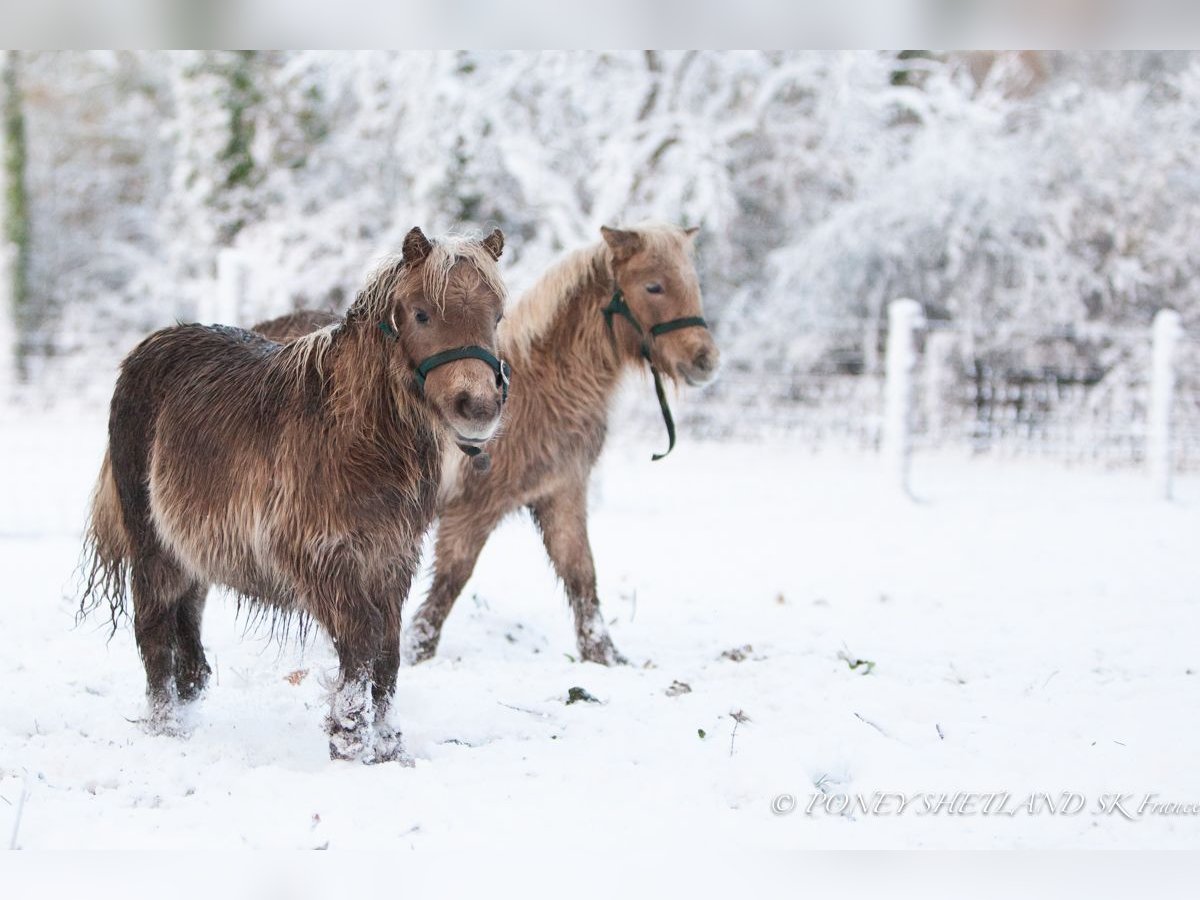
1009,193
95,172
14,240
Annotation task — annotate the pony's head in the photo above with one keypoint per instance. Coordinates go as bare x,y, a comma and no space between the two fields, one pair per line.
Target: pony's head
657,279
440,308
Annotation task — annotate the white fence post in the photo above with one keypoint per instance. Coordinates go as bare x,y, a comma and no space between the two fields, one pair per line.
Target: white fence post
1167,328
226,304
904,318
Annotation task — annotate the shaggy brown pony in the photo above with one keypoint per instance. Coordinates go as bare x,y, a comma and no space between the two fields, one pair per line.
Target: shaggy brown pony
570,361
301,476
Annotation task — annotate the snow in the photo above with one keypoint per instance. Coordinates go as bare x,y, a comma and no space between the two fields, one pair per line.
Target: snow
1032,629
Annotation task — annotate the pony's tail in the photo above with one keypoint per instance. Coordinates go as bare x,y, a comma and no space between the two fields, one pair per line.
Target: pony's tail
107,550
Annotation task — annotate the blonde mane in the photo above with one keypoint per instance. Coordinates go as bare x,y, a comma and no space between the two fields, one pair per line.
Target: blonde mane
535,312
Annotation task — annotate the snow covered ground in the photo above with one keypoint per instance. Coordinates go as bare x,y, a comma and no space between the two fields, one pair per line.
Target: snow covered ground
1033,629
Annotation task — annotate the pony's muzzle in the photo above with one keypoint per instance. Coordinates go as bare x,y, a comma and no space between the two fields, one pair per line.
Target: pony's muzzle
703,366
474,411
468,390
482,411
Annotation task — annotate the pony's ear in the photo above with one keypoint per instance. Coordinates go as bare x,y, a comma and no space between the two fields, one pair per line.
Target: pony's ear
623,244
416,246
691,233
494,243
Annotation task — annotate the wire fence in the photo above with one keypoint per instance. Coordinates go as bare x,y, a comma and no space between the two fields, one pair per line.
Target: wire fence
1057,395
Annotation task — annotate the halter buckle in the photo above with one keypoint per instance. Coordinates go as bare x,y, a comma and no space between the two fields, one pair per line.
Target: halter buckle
503,380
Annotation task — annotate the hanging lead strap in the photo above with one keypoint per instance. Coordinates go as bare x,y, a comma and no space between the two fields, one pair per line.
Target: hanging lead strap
661,391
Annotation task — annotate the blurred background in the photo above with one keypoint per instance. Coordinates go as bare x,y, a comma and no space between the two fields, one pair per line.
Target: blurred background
1039,207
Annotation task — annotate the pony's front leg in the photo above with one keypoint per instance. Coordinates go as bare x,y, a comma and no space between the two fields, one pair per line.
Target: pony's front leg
388,744
562,519
358,728
350,724
351,720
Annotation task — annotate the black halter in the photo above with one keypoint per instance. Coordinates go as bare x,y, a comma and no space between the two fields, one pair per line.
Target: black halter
618,307
502,370
499,366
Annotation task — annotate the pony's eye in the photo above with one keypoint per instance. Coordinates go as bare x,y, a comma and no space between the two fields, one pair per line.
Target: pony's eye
422,316
654,288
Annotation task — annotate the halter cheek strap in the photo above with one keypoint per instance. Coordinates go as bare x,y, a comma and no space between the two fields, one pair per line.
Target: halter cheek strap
618,307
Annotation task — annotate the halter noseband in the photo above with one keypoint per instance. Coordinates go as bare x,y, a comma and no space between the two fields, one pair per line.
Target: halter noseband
498,366
501,369
618,307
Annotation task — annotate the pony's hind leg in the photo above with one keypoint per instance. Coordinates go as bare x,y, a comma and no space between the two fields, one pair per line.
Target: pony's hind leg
191,668
158,586
562,519
460,538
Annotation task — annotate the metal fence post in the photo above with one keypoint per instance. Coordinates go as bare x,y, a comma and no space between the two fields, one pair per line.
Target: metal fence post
904,318
1166,332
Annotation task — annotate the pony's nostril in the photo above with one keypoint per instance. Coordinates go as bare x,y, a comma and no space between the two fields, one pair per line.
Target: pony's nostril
462,405
703,361
477,409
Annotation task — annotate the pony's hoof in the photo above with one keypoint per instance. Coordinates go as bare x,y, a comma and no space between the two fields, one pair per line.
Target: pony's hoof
416,652
390,753
387,747
163,721
190,687
602,652
382,744
347,745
